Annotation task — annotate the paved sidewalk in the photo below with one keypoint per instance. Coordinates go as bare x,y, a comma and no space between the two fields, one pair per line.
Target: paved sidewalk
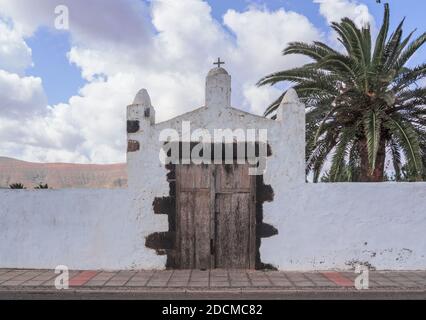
13,281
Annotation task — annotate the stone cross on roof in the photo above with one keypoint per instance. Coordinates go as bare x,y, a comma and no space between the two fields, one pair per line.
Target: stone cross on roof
218,63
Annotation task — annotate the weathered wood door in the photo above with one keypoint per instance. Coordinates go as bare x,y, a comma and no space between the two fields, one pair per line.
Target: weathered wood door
234,217
193,188
215,216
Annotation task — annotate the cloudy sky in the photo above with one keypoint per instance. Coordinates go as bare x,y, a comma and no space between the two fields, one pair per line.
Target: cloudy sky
63,93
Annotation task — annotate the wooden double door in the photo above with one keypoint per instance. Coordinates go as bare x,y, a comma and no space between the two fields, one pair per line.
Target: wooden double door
216,216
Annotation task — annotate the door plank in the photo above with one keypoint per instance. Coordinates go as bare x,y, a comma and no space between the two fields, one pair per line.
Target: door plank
232,177
202,229
193,216
194,177
186,230
233,231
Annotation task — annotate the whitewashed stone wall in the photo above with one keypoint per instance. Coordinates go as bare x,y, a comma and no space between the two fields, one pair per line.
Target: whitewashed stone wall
82,229
320,227
336,225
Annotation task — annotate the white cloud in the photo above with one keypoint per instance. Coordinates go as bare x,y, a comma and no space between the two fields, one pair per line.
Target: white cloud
122,46
335,10
15,55
20,97
261,35
187,34
260,98
41,138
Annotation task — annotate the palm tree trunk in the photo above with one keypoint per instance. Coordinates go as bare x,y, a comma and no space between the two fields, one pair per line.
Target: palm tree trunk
378,173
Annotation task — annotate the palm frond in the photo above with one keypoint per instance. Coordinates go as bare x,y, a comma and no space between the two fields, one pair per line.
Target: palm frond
396,158
274,106
411,49
313,51
378,56
372,129
338,161
316,153
408,140
354,162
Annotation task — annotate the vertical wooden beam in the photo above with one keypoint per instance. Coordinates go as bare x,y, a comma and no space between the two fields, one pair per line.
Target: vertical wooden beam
252,225
178,217
213,211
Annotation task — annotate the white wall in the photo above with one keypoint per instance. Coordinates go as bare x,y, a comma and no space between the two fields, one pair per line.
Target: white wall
321,226
333,226
83,229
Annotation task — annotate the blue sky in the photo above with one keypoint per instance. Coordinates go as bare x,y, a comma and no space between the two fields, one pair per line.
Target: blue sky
61,80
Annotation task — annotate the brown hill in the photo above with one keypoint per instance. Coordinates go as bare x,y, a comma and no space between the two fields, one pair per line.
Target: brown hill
62,175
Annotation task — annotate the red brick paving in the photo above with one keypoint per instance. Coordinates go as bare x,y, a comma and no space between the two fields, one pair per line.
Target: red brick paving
22,280
81,278
338,279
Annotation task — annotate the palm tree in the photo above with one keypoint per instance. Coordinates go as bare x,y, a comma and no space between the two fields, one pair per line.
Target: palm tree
41,186
16,186
362,105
